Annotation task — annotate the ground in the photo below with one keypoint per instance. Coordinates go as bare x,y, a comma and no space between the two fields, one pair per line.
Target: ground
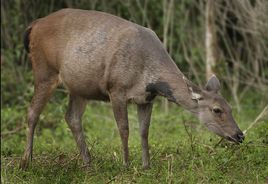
182,150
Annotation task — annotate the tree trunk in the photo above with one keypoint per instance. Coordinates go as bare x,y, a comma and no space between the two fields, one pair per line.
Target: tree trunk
210,37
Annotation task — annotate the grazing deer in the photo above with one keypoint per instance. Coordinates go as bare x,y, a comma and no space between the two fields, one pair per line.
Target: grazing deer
98,56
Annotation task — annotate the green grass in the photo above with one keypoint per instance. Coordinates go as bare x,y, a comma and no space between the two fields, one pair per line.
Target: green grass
176,156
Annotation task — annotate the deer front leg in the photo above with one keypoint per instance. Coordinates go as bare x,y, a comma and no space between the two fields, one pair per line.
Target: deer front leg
144,116
120,113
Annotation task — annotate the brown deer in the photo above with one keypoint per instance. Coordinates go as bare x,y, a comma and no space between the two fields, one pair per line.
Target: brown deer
98,56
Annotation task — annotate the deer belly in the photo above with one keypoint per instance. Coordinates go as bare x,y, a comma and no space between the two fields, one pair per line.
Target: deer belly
86,86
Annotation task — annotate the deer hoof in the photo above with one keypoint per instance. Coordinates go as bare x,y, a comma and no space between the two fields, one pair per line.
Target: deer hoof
146,167
24,164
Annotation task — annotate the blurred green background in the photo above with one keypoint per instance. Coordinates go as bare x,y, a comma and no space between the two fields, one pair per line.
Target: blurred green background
182,150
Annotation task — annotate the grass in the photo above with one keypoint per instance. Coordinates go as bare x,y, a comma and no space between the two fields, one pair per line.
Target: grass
181,149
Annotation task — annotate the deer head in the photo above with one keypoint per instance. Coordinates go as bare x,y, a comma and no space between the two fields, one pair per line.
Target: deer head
215,112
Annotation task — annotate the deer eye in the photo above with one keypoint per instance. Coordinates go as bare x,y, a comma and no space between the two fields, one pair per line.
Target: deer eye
217,110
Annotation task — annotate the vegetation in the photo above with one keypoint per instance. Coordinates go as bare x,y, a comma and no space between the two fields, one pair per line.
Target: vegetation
182,150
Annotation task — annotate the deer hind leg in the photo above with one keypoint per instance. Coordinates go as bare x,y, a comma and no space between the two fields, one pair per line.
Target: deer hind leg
45,83
119,105
144,116
73,117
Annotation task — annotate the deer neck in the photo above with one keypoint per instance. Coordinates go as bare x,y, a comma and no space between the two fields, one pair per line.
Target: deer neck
176,88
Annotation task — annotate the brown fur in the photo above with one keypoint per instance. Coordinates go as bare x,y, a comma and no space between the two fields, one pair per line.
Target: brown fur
98,56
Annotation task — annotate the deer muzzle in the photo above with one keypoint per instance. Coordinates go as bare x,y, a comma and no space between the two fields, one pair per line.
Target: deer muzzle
237,138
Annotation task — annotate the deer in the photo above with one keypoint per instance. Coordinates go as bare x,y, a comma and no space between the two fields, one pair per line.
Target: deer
99,56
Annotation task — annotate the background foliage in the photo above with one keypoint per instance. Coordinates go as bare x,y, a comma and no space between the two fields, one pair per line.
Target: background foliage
241,40
241,52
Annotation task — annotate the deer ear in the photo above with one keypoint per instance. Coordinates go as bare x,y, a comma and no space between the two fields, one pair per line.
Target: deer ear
213,84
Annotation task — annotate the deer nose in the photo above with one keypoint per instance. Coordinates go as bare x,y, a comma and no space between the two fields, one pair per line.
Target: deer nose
239,137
